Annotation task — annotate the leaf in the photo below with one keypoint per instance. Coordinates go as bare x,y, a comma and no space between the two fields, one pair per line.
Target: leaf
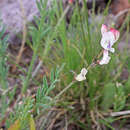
120,98
45,32
109,91
127,86
15,126
32,124
128,63
45,84
106,124
52,75
39,6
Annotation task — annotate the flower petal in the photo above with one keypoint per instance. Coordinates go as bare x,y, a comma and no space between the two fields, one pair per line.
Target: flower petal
106,58
107,41
116,33
109,37
84,71
104,29
71,1
81,76
112,50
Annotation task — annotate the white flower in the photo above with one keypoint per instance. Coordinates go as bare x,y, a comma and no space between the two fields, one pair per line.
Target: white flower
109,37
81,76
106,58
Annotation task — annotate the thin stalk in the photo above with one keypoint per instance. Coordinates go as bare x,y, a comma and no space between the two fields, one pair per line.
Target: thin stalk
87,23
24,36
36,44
65,89
29,72
81,23
47,47
55,29
107,8
89,45
56,97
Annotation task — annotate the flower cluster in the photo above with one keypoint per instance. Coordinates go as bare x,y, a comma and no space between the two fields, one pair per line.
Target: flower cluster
109,37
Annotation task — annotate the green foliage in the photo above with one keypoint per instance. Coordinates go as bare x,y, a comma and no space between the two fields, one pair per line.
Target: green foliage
119,98
108,93
113,96
128,63
32,124
106,123
127,86
37,33
3,71
3,58
23,112
43,97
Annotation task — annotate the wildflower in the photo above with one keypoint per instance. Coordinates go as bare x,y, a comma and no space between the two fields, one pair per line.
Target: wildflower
106,58
109,37
81,76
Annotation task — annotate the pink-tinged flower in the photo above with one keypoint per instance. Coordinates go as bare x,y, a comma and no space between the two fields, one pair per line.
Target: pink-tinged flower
106,58
104,29
81,76
71,1
109,37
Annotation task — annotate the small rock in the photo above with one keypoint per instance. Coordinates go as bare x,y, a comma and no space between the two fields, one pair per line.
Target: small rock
12,17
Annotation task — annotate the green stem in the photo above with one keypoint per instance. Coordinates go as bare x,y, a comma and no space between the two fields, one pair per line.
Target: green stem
56,97
64,90
29,72
81,23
